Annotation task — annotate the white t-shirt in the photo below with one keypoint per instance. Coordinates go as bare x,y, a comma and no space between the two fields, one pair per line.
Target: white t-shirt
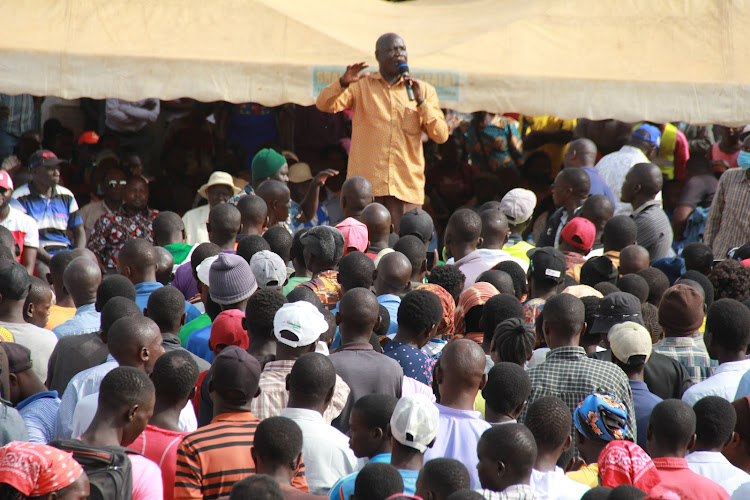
40,341
87,406
555,485
23,228
195,225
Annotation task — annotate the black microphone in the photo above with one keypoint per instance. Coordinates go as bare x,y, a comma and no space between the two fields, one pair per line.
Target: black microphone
403,68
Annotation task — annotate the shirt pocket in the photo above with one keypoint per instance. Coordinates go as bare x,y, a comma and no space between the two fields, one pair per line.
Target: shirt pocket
410,121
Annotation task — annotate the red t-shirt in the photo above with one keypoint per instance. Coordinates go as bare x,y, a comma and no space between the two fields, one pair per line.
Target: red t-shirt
677,477
160,446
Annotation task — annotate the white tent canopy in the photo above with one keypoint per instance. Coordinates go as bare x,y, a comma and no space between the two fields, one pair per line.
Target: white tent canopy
630,59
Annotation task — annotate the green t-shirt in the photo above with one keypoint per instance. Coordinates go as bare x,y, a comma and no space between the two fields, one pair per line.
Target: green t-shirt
179,251
201,321
292,284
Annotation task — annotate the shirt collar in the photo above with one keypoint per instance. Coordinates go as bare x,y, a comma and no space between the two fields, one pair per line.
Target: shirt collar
279,366
672,463
733,366
644,207
568,353
147,286
677,342
638,385
170,339
383,458
707,457
356,346
86,308
239,416
35,397
303,414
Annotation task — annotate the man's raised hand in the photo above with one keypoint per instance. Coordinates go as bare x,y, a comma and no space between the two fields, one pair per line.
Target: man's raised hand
352,74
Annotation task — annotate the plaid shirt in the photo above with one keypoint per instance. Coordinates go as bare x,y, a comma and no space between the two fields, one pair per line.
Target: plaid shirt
274,396
691,354
571,376
727,225
514,492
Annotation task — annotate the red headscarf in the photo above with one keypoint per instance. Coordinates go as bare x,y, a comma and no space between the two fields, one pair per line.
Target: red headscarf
624,462
476,295
37,469
445,328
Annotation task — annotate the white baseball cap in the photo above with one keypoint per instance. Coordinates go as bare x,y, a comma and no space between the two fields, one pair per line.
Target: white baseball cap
414,422
267,268
518,205
203,269
301,319
630,339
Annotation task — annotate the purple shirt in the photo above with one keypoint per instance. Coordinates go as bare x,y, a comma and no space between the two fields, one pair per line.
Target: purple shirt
458,434
472,265
598,186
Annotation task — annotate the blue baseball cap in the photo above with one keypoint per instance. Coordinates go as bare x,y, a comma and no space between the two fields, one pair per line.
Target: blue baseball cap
602,417
649,133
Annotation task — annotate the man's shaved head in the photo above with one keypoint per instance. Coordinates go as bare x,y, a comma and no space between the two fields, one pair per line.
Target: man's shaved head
253,210
81,278
85,252
393,273
649,176
377,218
633,258
224,222
385,39
576,179
462,364
167,228
128,335
356,194
358,314
465,225
494,228
137,254
581,153
271,190
598,208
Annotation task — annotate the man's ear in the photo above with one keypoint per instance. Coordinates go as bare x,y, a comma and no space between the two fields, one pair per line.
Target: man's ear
208,227
253,454
145,312
691,443
144,354
13,379
29,310
244,323
392,229
501,468
519,409
18,250
193,391
423,267
48,276
377,323
568,443
183,318
480,241
132,412
286,381
338,319
483,382
374,276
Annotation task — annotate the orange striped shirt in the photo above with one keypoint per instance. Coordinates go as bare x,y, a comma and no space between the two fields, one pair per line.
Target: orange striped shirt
387,131
211,459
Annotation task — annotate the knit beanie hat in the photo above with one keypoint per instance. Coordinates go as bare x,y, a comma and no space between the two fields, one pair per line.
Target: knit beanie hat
230,279
266,163
681,310
324,242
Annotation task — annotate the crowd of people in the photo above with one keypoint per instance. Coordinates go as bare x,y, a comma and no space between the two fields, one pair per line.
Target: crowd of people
371,298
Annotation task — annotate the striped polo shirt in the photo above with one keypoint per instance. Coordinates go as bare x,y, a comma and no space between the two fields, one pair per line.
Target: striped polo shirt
53,215
211,459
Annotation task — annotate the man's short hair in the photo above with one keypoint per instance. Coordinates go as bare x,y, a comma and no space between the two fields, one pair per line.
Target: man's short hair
728,321
257,486
657,283
377,481
465,225
306,294
278,440
566,313
413,248
376,409
250,245
634,285
420,309
112,286
619,232
715,418
260,311
165,306
15,281
698,257
356,271
280,242
672,422
508,386
517,274
549,419
312,376
175,375
513,444
497,309
444,476
449,277
125,386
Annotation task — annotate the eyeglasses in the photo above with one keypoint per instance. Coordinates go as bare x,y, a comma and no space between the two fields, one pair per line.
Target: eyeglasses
117,183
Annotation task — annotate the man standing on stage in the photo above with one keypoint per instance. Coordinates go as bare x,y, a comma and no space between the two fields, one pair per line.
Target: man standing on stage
387,127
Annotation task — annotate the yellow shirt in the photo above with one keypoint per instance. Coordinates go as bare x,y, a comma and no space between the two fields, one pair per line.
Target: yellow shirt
387,131
5,335
547,123
59,315
588,475
519,250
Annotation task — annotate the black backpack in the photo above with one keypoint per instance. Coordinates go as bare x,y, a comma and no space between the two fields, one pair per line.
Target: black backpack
108,467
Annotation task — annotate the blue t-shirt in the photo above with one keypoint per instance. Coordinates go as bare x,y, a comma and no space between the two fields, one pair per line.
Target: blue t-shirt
416,363
343,489
143,292
598,186
197,343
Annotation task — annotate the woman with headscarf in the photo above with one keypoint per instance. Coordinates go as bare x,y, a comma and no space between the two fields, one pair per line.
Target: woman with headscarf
624,462
29,470
445,329
469,311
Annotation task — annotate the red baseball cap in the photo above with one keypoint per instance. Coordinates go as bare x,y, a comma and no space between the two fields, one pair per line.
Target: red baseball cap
88,137
5,181
580,233
227,330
